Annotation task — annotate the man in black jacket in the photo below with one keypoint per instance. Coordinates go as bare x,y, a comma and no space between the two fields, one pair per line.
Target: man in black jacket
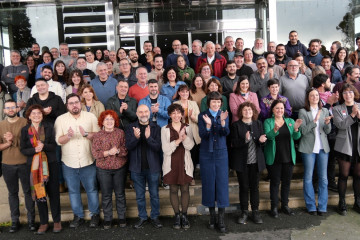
143,141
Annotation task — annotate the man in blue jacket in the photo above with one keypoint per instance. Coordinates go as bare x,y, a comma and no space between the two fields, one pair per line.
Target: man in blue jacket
157,104
143,142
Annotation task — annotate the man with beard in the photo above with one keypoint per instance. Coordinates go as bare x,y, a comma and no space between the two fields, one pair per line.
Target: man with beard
334,47
239,44
258,80
106,54
314,57
294,45
352,77
55,87
333,73
104,86
87,73
74,53
74,131
157,104
293,85
143,142
258,49
228,81
35,48
196,53
123,105
171,59
271,60
14,166
147,47
229,51
241,68
134,57
52,104
281,58
157,72
126,72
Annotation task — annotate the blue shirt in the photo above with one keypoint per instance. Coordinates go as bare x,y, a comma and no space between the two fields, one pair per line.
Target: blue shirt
169,91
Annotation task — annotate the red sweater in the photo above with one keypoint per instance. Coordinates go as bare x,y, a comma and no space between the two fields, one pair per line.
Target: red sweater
138,92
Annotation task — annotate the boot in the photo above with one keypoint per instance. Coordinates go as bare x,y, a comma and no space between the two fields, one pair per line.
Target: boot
185,224
357,205
256,217
177,223
221,221
243,217
212,221
342,207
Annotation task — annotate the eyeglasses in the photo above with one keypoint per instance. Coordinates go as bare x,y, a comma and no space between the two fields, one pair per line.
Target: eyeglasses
348,92
73,103
109,119
124,64
205,69
10,108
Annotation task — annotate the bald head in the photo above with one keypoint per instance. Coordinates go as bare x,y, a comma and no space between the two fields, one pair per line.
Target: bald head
143,114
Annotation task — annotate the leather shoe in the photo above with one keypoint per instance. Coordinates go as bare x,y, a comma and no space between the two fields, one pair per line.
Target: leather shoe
156,223
42,229
57,227
321,213
243,217
95,220
140,223
287,210
274,212
15,226
32,226
313,213
76,222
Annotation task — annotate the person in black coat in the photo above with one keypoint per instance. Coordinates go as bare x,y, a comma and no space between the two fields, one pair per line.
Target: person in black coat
247,138
35,115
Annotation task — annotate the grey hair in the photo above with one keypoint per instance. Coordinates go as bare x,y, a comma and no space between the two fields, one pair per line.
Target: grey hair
198,41
258,39
209,42
100,64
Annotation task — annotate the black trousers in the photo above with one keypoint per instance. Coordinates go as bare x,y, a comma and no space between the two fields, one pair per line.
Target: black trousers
52,190
12,174
112,180
249,180
280,172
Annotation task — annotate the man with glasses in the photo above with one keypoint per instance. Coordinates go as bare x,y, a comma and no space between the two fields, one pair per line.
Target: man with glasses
171,59
293,85
74,131
14,166
126,73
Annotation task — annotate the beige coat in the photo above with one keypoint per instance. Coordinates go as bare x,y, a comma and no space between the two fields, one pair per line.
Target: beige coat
169,147
194,125
96,108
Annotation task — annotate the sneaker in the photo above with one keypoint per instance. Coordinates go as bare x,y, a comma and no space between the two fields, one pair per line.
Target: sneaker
32,226
122,223
177,223
15,226
156,223
107,225
95,220
165,186
76,222
185,224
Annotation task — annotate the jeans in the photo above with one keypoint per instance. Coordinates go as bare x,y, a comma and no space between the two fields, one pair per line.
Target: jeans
321,161
112,180
280,172
140,180
87,176
249,180
12,174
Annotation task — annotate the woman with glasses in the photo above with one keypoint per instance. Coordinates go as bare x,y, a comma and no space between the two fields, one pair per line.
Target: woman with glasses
346,119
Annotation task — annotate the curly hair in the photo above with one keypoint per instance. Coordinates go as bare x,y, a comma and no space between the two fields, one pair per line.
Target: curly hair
165,78
175,107
19,77
253,108
106,113
31,108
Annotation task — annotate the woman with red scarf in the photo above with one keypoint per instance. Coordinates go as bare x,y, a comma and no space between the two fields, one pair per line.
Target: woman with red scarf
38,144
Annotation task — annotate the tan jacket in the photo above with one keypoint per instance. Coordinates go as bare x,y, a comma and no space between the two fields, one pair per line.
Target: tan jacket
194,125
169,147
96,108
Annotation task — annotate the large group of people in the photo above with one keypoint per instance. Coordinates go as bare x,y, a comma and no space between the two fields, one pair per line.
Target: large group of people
69,121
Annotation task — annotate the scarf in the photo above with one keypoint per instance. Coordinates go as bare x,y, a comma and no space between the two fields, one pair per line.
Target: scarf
39,166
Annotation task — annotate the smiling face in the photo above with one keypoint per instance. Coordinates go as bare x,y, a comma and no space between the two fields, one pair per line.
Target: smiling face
198,82
244,86
247,113
348,96
176,116
213,87
171,75
76,79
15,58
87,94
206,72
90,58
122,88
143,114
36,116
141,75
314,97
30,62
184,94
274,89
215,105
10,109
342,55
20,84
248,55
46,58
64,50
109,123
181,62
153,89
60,68
278,110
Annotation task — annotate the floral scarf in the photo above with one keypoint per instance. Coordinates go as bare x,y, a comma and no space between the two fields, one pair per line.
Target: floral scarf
39,167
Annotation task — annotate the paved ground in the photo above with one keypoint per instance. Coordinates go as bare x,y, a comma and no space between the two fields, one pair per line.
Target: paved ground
302,226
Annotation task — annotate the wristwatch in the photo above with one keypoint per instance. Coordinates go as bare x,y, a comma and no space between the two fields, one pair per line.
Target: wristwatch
86,134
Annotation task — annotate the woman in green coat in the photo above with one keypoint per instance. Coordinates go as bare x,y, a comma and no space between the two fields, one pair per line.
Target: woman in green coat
280,155
186,73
